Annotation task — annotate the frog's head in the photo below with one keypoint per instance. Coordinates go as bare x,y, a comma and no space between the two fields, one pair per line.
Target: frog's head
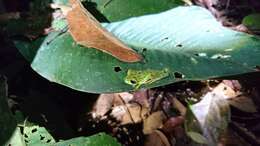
131,80
134,78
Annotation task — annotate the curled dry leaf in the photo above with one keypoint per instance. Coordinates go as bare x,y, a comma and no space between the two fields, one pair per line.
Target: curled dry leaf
153,122
243,103
87,31
230,89
129,113
173,122
118,112
179,106
133,114
103,104
141,96
157,138
234,84
226,91
122,98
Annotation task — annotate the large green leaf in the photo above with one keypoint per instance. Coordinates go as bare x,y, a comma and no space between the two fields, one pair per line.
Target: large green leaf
37,136
100,139
187,41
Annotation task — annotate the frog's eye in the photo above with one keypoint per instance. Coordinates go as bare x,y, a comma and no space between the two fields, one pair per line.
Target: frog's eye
133,81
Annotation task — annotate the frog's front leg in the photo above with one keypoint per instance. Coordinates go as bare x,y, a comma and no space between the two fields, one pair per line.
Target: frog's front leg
137,86
145,80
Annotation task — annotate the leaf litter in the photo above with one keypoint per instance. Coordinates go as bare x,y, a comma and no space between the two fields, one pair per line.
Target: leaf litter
161,113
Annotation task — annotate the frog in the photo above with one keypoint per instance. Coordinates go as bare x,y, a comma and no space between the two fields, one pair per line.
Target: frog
137,78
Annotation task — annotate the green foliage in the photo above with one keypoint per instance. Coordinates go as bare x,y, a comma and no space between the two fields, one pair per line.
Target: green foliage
100,139
252,21
29,49
36,136
197,137
39,136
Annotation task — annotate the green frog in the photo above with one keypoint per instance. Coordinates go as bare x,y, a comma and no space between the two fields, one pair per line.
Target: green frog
136,78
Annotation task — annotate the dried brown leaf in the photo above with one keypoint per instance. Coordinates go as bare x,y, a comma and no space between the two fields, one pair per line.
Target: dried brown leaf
122,98
141,96
226,91
243,103
103,104
157,138
129,113
230,89
87,31
171,123
153,122
179,106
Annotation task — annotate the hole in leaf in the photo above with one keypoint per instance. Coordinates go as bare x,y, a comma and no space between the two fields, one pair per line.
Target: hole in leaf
48,141
178,75
144,50
179,45
42,137
34,130
133,82
22,130
117,69
200,54
25,135
166,38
